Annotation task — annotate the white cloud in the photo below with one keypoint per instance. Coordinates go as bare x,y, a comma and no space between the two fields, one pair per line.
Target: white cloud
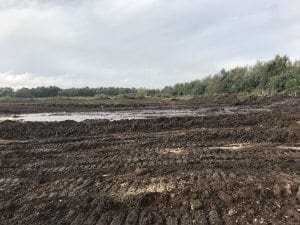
148,43
9,79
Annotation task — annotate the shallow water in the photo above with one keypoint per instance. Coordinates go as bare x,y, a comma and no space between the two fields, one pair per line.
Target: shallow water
123,114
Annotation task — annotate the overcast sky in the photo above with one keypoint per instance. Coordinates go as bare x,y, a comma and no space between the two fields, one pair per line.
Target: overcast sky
141,43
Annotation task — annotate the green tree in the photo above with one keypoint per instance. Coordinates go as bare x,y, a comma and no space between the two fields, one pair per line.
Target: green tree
6,92
141,93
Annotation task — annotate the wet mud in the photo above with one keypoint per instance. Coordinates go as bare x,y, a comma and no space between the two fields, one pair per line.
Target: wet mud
241,168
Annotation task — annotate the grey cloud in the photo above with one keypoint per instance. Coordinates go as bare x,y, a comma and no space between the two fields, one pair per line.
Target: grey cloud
148,43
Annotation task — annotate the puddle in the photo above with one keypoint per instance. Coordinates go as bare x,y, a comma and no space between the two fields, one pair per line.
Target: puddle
125,114
289,147
176,151
5,141
231,147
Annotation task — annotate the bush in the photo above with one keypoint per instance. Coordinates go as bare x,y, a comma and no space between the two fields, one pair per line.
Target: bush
126,96
101,96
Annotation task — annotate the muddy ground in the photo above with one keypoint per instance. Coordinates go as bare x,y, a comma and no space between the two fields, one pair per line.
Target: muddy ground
15,106
241,168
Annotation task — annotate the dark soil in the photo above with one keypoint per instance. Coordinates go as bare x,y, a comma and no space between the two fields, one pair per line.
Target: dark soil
216,169
15,106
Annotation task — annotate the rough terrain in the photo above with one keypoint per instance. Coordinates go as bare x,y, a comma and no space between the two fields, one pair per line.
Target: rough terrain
241,168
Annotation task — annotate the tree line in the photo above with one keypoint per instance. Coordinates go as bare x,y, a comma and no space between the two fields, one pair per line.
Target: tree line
270,77
53,91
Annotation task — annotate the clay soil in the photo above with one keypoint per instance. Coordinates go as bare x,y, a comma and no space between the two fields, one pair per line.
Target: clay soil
241,168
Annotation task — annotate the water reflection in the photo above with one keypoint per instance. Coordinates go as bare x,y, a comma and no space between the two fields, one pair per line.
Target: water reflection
124,114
